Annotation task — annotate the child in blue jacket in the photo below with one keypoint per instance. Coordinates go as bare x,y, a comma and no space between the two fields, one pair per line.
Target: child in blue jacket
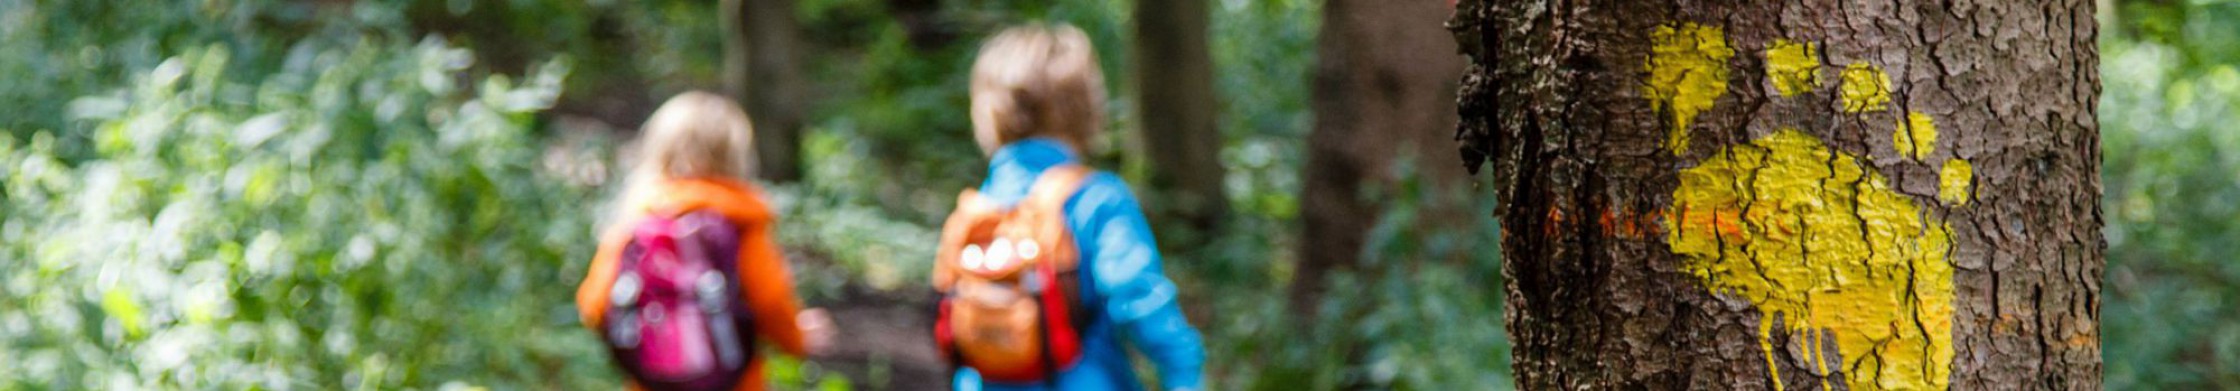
1037,98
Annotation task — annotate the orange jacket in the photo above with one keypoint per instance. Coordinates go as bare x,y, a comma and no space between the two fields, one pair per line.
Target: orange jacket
768,287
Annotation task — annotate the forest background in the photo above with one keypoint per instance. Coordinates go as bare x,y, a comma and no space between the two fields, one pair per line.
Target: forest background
265,194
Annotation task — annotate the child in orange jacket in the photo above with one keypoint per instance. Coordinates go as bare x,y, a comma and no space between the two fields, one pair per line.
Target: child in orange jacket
694,156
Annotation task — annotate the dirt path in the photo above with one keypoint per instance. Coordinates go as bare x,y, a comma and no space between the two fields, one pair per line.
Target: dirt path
885,341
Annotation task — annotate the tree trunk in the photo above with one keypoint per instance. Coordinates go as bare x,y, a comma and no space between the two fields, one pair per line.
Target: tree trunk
1812,194
1383,92
1174,95
762,69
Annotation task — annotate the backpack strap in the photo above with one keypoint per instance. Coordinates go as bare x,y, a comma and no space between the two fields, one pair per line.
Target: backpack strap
1056,185
1047,200
1045,205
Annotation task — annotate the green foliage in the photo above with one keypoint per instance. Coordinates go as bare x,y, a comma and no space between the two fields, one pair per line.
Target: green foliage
788,373
1424,311
1264,58
2172,202
891,128
55,51
867,246
351,218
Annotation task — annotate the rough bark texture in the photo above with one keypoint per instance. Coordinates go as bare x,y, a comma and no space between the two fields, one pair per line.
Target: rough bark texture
1668,169
762,69
1174,89
1383,92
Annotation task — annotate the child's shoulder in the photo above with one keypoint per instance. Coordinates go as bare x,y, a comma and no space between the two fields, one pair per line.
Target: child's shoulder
1104,188
740,201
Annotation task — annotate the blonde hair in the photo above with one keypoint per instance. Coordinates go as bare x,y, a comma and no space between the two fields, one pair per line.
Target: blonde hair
1037,81
694,135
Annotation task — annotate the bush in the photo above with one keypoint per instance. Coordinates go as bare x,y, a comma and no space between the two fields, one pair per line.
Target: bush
2171,96
1425,313
355,218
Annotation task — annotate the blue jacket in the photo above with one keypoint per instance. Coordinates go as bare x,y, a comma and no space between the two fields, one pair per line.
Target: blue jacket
1129,296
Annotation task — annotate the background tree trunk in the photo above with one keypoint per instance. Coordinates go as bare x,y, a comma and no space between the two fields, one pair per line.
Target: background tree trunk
1174,95
1791,195
1383,89
762,69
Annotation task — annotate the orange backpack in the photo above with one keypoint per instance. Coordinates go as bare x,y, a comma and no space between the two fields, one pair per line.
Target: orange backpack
1009,283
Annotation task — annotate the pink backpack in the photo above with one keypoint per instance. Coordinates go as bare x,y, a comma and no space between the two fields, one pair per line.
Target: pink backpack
676,320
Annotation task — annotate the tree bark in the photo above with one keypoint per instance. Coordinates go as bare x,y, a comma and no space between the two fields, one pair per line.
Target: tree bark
1383,92
762,69
1813,194
1174,93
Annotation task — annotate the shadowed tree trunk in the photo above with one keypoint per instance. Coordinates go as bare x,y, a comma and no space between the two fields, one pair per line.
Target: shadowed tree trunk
762,69
1174,95
1383,94
1813,194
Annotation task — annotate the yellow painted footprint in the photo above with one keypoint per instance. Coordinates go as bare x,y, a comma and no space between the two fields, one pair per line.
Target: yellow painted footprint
1809,232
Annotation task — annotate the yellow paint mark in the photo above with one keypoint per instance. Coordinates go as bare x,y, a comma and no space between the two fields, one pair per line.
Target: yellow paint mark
1765,341
1826,242
1953,182
1916,136
1794,67
1865,88
1687,73
1820,359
